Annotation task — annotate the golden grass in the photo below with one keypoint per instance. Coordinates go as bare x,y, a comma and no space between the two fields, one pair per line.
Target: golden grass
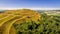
11,17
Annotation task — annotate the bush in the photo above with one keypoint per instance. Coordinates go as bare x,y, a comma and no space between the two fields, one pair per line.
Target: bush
49,25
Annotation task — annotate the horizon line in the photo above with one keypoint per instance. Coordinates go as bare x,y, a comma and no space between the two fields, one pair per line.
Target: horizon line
30,8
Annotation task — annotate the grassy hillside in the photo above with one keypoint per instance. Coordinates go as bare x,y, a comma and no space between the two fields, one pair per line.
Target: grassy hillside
10,17
26,21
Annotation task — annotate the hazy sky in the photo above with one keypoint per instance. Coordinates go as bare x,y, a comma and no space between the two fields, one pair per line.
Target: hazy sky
29,3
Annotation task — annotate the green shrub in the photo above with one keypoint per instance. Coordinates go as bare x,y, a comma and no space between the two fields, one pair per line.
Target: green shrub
47,25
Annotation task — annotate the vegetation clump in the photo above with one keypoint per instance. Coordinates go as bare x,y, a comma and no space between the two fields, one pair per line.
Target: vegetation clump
47,25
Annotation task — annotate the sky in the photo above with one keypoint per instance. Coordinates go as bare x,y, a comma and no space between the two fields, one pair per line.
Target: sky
4,4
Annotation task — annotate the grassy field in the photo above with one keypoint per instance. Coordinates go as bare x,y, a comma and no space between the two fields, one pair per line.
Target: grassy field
26,21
